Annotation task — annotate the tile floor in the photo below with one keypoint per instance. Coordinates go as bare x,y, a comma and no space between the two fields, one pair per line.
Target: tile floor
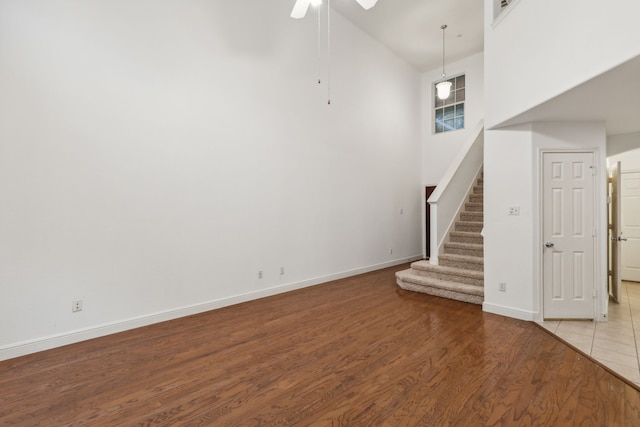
616,343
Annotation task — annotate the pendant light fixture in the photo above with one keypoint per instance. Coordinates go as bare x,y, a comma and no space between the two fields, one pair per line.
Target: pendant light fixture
444,87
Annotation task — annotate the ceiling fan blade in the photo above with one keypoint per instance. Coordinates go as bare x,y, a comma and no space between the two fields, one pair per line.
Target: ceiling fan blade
300,8
367,4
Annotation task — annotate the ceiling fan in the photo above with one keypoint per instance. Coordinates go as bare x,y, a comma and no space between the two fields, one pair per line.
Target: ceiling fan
301,6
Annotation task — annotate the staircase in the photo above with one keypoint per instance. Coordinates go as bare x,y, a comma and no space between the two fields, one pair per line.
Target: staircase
460,273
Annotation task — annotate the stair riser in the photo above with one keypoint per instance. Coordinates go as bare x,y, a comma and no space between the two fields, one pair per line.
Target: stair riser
466,239
478,190
471,216
473,208
408,277
473,299
463,251
475,198
465,226
450,277
461,264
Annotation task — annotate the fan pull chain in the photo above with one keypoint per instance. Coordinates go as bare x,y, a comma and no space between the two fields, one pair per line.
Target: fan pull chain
319,48
329,52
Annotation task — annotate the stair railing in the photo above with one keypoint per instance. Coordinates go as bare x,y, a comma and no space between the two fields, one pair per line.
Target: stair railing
447,200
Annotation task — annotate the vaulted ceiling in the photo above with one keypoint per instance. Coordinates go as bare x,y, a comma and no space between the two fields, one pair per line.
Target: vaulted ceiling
411,28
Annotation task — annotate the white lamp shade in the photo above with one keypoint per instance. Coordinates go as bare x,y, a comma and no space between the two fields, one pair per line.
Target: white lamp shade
444,89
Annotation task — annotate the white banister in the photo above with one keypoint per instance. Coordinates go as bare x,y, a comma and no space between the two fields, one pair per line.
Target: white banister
450,194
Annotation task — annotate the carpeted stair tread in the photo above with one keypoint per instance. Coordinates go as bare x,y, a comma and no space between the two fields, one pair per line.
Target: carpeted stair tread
469,226
473,207
460,248
408,276
468,237
465,233
442,288
472,216
462,261
443,272
424,265
465,258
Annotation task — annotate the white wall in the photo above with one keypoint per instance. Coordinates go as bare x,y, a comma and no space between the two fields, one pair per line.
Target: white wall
154,155
630,160
439,150
540,49
508,240
513,244
625,148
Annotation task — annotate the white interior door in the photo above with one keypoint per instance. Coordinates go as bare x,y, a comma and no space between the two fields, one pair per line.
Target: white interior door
568,233
630,226
615,263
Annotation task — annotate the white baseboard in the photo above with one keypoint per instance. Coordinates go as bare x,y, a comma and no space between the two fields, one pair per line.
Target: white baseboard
509,312
47,343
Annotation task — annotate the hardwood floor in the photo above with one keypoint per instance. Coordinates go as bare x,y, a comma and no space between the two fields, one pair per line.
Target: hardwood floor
355,352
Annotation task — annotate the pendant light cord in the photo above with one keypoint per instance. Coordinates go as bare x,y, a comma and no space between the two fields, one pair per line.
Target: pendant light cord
443,73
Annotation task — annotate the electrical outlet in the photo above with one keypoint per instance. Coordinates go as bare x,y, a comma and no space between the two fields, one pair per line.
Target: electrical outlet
391,251
260,274
282,271
502,287
514,210
76,306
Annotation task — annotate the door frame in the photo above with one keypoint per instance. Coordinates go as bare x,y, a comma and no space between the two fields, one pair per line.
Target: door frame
600,177
614,213
622,174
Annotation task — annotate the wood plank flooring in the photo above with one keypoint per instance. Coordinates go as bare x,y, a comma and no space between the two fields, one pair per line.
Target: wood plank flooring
354,352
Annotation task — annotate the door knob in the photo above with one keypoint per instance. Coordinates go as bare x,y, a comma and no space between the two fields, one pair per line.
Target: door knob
549,244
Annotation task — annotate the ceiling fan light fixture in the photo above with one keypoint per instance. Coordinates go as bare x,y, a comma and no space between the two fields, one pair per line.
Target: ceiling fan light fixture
301,6
444,89
300,9
367,4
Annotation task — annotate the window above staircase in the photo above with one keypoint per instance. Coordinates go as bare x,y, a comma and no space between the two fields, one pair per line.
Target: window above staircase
449,112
